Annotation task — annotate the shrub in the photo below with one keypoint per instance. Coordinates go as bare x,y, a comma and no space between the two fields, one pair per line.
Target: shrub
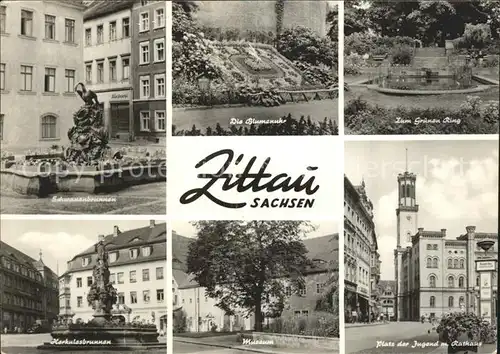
320,324
477,35
402,55
457,324
291,126
474,117
180,322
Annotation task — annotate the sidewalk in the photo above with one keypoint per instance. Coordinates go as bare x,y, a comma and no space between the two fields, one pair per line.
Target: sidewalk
250,348
351,325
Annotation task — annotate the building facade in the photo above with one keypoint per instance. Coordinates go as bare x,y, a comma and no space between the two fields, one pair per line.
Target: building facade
29,290
435,274
201,311
362,260
37,84
137,260
263,16
387,291
149,70
107,38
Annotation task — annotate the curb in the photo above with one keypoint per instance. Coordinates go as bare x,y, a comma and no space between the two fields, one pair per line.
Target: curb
365,325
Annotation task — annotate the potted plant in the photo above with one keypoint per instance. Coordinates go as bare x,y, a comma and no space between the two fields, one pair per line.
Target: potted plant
461,332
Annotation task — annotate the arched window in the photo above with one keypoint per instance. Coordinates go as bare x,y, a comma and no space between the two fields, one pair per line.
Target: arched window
432,281
477,281
450,265
48,127
429,261
451,282
462,264
461,282
432,301
408,194
461,301
450,301
435,263
455,263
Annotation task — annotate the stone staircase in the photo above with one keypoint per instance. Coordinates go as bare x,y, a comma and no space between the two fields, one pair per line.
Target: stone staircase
431,58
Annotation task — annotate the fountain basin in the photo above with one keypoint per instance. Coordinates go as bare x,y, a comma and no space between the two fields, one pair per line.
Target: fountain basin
103,338
30,180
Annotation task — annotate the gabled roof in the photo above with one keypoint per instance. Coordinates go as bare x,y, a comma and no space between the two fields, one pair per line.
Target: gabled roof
98,9
384,284
11,252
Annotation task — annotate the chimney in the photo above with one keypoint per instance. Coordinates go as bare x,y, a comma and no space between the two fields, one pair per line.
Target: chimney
443,233
100,238
420,229
116,231
151,223
470,229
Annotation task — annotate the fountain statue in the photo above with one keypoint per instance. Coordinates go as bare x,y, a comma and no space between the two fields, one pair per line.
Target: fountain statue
88,137
102,331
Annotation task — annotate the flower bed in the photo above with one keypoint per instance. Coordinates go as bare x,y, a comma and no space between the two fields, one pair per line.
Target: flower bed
317,324
472,117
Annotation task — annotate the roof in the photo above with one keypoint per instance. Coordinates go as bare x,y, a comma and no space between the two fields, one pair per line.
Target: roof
11,252
98,9
384,284
324,248
155,237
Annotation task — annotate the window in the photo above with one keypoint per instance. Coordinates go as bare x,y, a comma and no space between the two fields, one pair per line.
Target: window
461,282
119,278
112,31
134,252
159,120
89,281
69,34
160,18
50,80
145,296
125,27
432,302
450,263
121,298
26,23
159,295
113,256
144,22
159,49
112,278
319,288
302,290
451,282
159,273
2,76
462,264
435,263
144,120
26,78
144,53
461,301
145,275
450,301
132,276
100,34
3,18
133,297
432,281
455,263
435,247
160,85
126,68
429,263
146,251
144,84
78,282
112,70
70,80
50,27
88,73
79,301
88,37
100,72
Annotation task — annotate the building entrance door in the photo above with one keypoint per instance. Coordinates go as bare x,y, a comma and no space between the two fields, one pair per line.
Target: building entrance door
120,118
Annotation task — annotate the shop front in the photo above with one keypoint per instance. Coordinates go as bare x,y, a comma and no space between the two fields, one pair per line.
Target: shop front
350,302
118,113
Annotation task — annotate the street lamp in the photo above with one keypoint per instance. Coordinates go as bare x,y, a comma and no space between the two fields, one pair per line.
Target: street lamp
485,267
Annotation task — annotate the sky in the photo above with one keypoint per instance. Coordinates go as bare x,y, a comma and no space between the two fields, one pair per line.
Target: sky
323,228
59,240
457,186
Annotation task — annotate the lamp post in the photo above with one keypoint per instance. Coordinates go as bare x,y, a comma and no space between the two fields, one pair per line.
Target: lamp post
485,267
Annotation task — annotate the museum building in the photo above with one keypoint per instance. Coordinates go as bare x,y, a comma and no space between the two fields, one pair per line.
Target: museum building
137,260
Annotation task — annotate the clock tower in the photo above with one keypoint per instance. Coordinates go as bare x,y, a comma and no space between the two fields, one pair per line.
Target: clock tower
407,226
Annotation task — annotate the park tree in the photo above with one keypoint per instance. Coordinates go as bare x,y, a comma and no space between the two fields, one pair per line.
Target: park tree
241,263
329,299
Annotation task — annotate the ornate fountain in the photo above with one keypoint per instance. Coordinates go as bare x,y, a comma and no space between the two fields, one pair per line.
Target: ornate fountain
102,331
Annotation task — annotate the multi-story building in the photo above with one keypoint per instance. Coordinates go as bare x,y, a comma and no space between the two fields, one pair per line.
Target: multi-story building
29,290
149,70
107,39
36,84
362,260
203,314
387,291
137,261
435,274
